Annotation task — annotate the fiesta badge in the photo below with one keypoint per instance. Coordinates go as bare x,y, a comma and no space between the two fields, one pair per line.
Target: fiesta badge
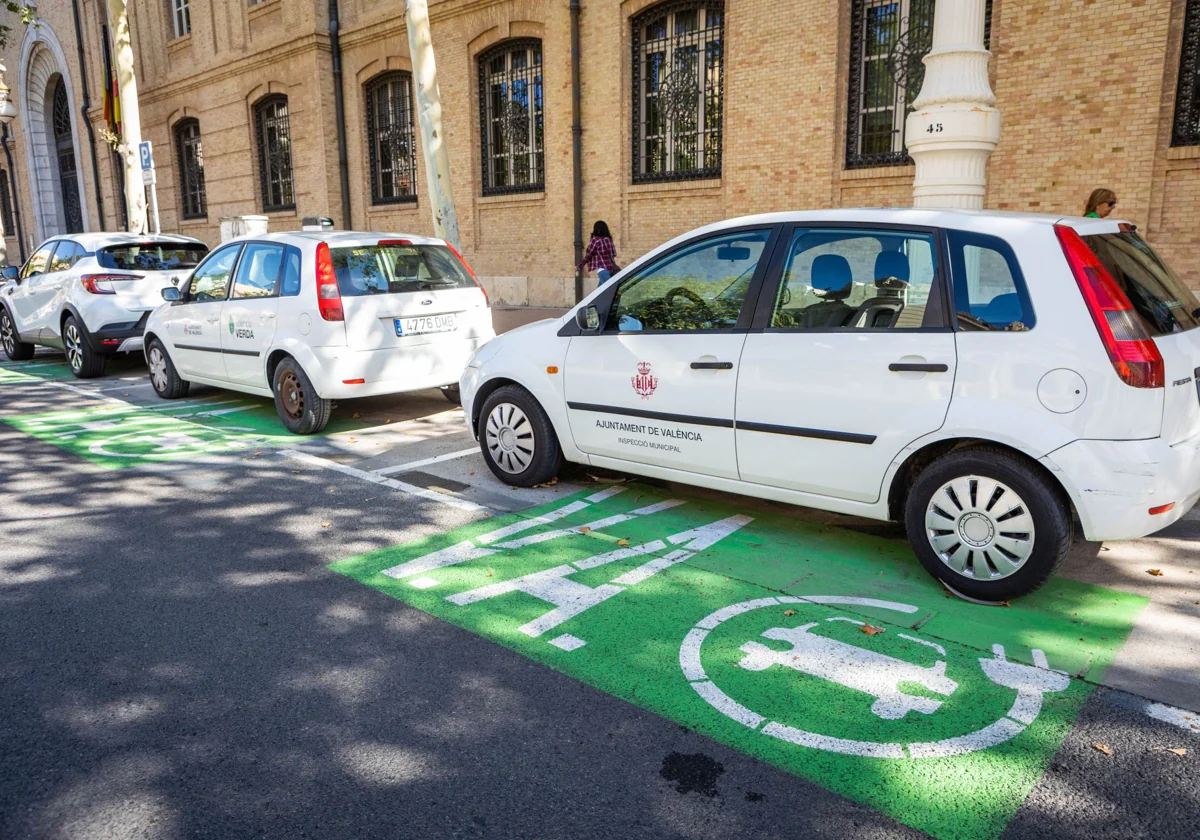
644,383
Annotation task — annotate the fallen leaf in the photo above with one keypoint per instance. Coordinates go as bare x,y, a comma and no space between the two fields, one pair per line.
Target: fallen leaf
623,543
871,629
1104,748
1155,572
549,483
789,612
326,524
607,480
583,529
356,416
1177,750
1006,603
351,440
389,420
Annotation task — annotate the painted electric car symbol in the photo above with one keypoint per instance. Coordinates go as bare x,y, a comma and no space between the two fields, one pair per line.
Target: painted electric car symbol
854,667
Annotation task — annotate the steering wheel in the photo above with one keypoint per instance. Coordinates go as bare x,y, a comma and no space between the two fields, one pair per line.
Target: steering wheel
692,297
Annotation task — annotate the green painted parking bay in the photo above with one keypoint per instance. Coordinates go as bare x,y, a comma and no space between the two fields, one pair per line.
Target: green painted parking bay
823,651
119,434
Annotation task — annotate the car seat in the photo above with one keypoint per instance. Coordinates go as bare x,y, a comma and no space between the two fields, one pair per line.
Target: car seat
891,280
833,280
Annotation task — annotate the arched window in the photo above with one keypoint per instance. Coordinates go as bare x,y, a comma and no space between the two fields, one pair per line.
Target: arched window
191,169
510,118
274,153
1186,128
678,90
888,40
390,138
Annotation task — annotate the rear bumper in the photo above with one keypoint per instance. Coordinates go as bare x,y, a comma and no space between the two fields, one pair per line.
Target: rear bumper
121,337
1114,484
392,371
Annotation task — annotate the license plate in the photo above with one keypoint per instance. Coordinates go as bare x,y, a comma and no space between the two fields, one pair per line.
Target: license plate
426,324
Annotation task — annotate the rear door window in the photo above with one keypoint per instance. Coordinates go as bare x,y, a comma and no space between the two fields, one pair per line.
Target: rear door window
989,289
392,269
290,285
1163,301
151,256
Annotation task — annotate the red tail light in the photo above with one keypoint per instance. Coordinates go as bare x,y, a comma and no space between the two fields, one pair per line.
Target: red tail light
393,243
101,284
1133,353
328,296
469,270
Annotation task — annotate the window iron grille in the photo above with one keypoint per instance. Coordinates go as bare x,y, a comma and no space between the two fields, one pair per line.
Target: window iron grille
64,145
511,118
6,213
391,139
678,91
1185,129
275,154
190,153
889,40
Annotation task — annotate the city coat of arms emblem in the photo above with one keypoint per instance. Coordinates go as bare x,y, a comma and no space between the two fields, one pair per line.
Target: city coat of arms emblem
644,383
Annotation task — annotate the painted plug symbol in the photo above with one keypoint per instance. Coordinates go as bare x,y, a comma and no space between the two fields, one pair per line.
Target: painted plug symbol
1025,679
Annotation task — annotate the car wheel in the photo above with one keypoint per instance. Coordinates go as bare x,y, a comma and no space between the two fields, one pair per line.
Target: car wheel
518,439
85,362
163,376
451,393
14,348
302,411
988,523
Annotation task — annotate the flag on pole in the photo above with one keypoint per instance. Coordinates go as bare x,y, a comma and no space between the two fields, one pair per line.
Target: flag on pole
112,95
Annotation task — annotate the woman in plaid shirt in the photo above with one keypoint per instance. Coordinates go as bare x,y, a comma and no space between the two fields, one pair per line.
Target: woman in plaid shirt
601,254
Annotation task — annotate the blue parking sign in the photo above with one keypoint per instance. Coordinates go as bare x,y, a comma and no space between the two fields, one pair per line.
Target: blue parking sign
147,156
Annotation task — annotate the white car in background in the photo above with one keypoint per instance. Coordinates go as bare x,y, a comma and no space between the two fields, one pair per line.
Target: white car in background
978,376
89,294
309,318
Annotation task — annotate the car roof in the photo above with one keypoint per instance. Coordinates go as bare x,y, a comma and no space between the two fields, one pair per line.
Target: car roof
92,241
919,216
336,239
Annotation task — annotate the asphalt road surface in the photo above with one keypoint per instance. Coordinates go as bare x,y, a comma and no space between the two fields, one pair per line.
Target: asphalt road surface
178,661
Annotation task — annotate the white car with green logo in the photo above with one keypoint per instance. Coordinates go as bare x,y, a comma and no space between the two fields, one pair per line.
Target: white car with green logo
309,318
985,378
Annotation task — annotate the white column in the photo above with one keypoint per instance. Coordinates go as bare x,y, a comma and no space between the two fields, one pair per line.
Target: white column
429,115
131,123
955,127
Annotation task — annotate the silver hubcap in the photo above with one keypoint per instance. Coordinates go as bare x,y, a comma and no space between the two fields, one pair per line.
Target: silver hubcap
979,527
74,347
158,370
7,336
509,438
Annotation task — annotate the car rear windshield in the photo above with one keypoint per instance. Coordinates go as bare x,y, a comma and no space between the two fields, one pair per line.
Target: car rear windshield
391,269
151,256
1164,301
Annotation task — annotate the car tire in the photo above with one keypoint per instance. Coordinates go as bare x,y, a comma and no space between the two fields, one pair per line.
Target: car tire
451,393
84,362
517,438
988,523
302,411
14,348
164,378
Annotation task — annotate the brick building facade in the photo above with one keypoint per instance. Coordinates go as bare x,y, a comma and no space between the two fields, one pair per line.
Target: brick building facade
692,111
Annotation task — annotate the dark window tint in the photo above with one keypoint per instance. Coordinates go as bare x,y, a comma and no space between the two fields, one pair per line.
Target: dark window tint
700,286
388,269
989,290
1164,301
258,270
290,287
151,256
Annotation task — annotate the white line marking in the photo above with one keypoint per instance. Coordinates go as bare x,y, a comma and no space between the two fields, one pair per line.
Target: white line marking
689,655
425,462
568,642
830,744
619,554
999,732
1176,717
651,568
725,704
658,507
606,494
532,522
411,489
545,536
421,582
458,553
925,642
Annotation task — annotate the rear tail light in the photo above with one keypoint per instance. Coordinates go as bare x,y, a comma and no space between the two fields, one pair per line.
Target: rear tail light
102,284
469,271
328,296
1132,351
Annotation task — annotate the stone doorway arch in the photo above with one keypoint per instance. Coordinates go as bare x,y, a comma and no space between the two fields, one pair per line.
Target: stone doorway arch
50,124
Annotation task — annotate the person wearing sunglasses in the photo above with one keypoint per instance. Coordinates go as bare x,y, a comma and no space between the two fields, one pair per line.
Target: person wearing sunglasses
1100,203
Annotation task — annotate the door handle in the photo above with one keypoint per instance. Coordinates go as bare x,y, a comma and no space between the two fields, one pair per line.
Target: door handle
917,367
712,365
268,315
212,320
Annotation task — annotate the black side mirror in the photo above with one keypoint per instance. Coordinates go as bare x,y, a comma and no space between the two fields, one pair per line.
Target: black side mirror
170,293
588,318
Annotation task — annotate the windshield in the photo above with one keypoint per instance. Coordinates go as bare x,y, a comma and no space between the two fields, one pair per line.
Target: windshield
391,269
1164,301
151,256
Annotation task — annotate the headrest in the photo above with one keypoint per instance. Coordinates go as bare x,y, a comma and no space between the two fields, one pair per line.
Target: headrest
270,264
891,270
831,274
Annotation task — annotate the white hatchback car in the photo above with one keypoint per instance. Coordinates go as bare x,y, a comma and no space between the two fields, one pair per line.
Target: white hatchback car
978,376
308,318
89,294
